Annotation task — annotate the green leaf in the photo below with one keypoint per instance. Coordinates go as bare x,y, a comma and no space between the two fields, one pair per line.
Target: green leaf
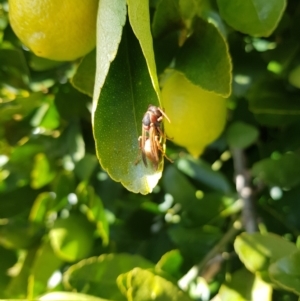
285,272
254,17
215,204
45,264
117,120
187,240
41,206
294,77
84,78
21,106
241,135
167,17
257,251
205,60
110,21
20,234
202,172
139,18
171,263
94,210
13,68
97,275
245,286
67,296
42,173
72,238
7,259
143,285
282,172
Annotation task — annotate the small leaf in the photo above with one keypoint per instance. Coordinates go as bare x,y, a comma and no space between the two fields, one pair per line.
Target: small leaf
167,17
205,60
202,172
84,78
97,275
282,172
245,286
94,210
124,99
42,173
139,18
294,77
45,264
72,238
171,263
143,285
110,21
258,251
241,135
254,17
285,272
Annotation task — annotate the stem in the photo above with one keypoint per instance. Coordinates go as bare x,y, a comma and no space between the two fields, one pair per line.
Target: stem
245,190
192,274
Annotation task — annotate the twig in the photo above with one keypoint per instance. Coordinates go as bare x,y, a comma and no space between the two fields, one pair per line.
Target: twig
245,190
193,273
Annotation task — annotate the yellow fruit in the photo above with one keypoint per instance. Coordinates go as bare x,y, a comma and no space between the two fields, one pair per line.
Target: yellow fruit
61,30
197,116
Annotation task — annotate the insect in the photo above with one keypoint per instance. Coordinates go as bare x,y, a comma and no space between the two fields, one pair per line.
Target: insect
150,143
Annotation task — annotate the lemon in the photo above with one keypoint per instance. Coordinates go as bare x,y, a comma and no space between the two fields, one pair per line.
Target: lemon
197,116
61,30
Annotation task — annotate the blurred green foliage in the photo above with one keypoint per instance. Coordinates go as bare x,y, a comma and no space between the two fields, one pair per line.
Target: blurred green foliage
68,231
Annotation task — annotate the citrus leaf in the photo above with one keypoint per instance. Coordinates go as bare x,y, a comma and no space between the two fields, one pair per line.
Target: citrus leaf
110,21
138,11
72,238
205,60
143,285
167,17
124,99
170,263
97,275
257,251
241,135
84,78
286,272
254,17
244,286
282,172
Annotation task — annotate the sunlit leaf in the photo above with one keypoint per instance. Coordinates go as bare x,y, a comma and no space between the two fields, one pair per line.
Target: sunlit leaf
84,78
139,17
286,272
110,21
257,251
66,296
117,120
143,285
171,263
72,238
254,17
245,286
45,264
97,275
42,172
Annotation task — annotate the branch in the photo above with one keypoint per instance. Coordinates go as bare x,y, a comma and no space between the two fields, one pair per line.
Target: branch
193,273
245,190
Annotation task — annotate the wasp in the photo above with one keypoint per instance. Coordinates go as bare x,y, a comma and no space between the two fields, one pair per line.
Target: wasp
150,143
